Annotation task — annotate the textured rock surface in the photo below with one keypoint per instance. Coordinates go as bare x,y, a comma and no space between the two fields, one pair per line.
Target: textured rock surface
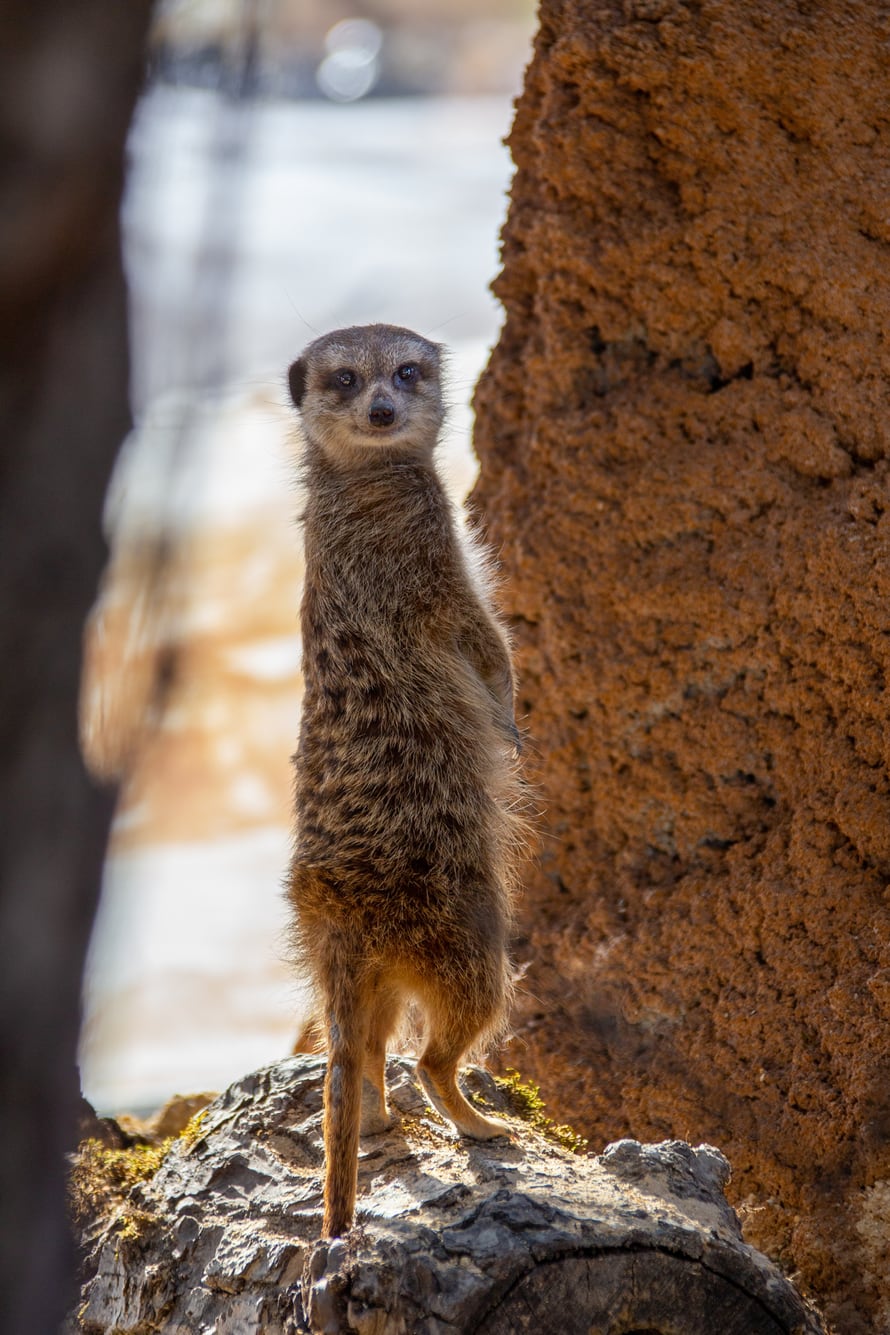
684,442
497,1237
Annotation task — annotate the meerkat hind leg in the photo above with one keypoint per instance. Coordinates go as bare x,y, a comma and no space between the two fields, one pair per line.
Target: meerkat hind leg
439,1080
449,1038
376,1116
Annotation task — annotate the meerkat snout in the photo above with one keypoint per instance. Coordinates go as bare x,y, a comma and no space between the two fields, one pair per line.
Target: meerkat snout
382,412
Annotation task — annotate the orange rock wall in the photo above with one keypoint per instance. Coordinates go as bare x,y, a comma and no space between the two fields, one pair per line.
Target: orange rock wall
684,439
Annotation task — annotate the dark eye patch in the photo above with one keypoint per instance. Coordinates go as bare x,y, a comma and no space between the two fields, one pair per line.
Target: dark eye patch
344,380
407,374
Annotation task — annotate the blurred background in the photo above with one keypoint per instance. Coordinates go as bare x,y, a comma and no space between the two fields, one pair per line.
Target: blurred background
294,166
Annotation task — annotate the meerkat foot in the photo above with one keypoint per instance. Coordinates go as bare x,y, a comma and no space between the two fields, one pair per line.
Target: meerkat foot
453,1106
483,1128
376,1117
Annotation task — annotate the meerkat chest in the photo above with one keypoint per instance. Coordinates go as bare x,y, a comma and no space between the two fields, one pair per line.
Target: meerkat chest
390,560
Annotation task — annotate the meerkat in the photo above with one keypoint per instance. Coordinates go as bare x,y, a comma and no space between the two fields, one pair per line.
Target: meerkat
407,792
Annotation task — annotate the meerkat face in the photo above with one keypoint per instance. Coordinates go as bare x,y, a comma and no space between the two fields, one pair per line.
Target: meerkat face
369,387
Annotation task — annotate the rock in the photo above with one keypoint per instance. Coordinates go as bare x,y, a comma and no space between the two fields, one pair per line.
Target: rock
500,1237
106,1131
685,468
170,1120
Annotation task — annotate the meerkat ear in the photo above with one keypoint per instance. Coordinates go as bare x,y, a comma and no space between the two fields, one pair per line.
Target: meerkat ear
296,379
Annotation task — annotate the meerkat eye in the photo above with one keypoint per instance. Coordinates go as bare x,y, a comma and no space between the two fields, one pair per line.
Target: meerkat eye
407,374
345,379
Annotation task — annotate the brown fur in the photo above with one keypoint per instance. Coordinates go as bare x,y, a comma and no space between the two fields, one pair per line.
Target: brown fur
407,795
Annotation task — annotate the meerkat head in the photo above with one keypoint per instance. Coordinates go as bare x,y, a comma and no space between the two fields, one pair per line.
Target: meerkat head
369,388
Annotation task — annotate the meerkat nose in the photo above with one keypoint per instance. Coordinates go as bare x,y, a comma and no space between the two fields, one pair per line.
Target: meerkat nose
381,412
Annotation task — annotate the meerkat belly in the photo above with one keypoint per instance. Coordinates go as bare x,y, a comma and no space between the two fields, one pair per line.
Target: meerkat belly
393,771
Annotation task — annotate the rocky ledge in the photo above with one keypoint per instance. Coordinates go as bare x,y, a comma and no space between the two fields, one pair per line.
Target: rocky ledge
519,1234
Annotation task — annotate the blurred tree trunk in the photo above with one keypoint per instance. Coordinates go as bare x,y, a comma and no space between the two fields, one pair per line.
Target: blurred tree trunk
69,76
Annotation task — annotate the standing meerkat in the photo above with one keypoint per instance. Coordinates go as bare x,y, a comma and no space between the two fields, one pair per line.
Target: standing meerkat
407,790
